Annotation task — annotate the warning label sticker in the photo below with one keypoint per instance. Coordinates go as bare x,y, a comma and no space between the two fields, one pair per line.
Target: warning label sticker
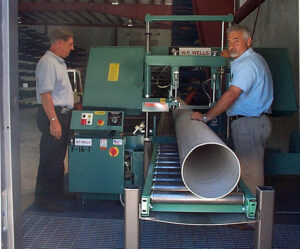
117,142
83,142
113,73
103,144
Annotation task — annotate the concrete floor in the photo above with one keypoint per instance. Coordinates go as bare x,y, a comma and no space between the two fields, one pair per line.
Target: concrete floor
29,147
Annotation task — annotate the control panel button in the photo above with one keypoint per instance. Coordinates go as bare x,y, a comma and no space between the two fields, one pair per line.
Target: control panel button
86,119
113,151
100,122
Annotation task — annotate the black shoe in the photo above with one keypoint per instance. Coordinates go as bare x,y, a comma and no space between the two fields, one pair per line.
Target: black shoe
49,206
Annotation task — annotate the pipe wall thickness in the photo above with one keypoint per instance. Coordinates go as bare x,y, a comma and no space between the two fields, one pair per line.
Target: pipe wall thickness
209,169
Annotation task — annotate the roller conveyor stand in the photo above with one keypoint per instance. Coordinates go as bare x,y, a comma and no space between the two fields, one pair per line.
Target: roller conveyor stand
264,219
168,188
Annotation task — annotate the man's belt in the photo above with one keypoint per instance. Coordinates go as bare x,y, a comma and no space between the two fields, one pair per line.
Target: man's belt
62,109
234,117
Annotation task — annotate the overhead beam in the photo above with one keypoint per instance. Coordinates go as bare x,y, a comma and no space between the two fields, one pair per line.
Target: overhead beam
136,11
246,9
158,26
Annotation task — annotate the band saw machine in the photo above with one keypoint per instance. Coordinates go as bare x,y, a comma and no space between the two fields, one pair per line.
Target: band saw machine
190,177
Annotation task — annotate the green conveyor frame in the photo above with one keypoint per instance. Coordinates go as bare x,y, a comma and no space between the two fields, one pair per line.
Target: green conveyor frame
248,208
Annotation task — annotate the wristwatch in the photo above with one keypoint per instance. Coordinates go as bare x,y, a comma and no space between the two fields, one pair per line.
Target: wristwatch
52,119
204,118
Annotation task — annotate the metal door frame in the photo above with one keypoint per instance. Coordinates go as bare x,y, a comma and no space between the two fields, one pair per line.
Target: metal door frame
11,232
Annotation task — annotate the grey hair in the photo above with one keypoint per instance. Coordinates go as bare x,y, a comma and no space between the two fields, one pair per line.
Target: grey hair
60,33
246,32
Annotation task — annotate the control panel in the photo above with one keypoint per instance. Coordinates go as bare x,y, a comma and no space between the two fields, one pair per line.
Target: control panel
97,120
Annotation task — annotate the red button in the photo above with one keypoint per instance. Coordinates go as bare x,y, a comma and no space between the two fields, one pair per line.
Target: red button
113,151
83,121
100,122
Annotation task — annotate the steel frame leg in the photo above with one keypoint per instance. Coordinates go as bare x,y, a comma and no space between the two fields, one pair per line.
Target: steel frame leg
131,219
264,231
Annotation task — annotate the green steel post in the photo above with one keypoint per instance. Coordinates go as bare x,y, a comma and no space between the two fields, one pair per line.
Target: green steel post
206,18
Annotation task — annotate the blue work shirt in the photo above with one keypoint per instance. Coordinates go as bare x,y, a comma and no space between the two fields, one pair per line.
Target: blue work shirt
250,72
52,76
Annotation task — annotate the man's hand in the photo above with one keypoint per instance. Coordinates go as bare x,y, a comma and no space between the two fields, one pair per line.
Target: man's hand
197,116
55,129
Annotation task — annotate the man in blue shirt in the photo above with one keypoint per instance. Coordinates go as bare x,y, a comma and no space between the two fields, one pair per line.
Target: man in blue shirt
247,102
55,96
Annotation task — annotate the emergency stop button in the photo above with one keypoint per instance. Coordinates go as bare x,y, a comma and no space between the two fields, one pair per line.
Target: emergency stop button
113,151
100,122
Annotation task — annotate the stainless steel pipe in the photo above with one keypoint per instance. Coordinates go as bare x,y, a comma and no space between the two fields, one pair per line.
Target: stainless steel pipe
209,169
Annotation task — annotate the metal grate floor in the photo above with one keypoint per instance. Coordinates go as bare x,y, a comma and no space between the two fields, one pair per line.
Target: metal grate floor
72,232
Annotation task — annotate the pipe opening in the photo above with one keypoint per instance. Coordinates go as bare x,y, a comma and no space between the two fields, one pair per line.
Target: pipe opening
210,170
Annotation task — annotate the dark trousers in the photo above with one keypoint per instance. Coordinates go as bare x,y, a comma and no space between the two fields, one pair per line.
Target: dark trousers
50,179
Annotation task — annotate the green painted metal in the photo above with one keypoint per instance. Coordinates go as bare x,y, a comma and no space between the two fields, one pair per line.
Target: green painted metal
145,202
250,200
161,50
134,143
294,142
148,183
123,91
164,140
137,161
278,163
86,196
185,61
95,126
206,18
285,103
251,205
93,170
248,208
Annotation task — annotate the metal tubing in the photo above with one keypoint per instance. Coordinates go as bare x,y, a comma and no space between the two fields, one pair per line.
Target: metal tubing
222,37
147,37
209,169
166,179
131,219
175,186
147,126
167,166
189,198
166,172
264,231
214,88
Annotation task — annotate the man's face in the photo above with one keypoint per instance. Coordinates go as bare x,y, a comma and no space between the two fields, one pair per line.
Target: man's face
66,47
237,44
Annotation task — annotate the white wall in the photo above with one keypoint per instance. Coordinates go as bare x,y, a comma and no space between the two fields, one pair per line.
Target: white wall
278,26
85,37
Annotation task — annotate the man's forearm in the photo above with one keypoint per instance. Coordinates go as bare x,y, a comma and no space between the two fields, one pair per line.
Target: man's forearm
227,99
48,105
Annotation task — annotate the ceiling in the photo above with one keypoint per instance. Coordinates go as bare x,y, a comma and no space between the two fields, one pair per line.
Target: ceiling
102,13
126,13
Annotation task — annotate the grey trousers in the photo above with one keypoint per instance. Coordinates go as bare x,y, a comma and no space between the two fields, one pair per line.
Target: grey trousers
249,137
